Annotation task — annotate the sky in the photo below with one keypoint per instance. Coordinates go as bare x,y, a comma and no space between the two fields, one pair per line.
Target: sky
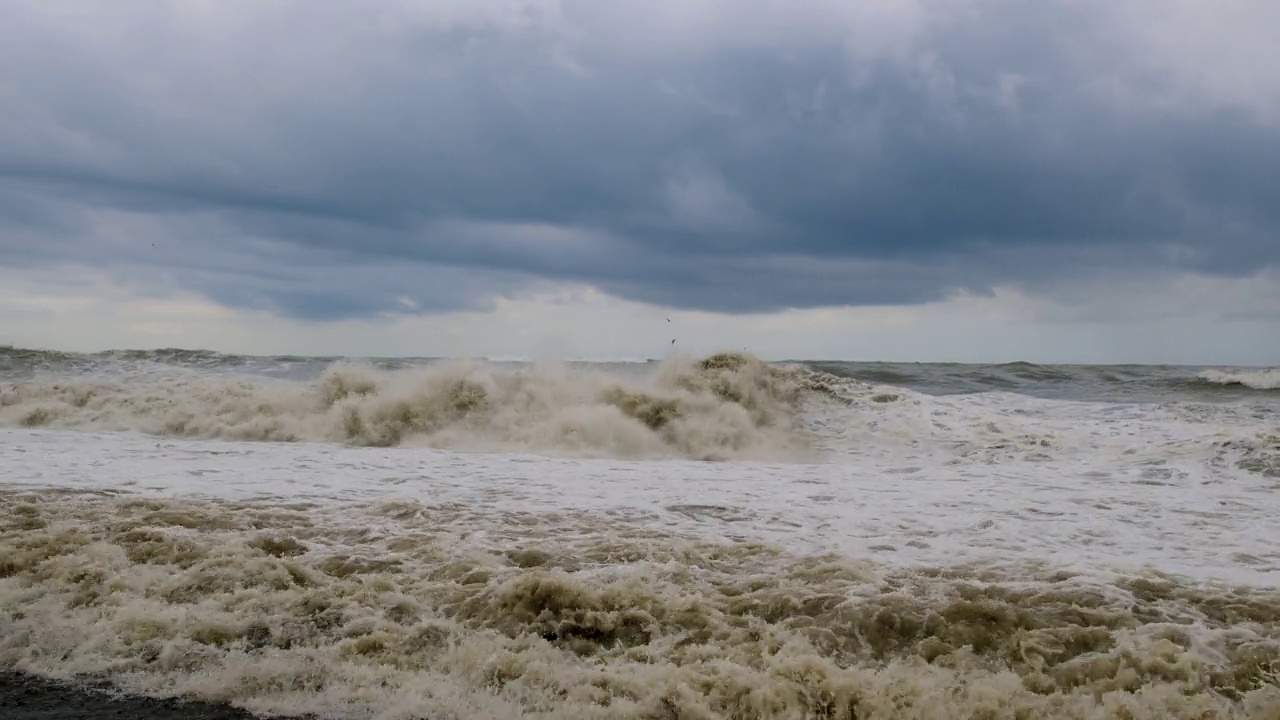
914,180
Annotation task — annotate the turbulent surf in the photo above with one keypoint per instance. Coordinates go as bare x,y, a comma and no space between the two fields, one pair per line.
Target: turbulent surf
415,538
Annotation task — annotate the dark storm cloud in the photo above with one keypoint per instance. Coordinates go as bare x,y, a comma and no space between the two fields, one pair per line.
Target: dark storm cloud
431,156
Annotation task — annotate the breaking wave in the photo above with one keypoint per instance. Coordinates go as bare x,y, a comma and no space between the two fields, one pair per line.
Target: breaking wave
404,610
723,406
1268,379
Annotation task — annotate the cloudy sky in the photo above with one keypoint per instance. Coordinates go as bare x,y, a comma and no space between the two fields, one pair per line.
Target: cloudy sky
974,180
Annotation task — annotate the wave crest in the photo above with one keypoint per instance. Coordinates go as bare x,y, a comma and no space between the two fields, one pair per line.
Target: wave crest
1268,379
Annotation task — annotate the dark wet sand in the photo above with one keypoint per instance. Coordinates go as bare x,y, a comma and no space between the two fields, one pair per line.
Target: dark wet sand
23,697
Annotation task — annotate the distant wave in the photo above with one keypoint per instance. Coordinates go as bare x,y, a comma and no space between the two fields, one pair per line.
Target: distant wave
1105,383
36,357
1115,383
723,406
19,362
1268,379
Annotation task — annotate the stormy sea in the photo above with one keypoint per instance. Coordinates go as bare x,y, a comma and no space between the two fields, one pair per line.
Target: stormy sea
189,534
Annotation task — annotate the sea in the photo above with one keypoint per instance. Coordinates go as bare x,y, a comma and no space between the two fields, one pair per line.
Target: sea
684,538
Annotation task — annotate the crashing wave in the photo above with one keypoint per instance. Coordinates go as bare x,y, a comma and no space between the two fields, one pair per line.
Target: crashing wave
1268,379
728,405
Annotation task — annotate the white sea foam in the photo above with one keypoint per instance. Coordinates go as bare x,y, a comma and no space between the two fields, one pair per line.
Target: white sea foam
988,555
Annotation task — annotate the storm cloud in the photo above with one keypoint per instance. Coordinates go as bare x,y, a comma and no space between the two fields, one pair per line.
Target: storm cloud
326,161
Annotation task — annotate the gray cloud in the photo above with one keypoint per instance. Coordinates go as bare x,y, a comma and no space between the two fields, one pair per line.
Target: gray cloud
322,163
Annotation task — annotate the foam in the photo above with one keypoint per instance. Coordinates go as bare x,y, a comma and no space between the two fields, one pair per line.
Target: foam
406,609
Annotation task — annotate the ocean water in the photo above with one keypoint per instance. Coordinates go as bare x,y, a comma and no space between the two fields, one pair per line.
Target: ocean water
691,538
